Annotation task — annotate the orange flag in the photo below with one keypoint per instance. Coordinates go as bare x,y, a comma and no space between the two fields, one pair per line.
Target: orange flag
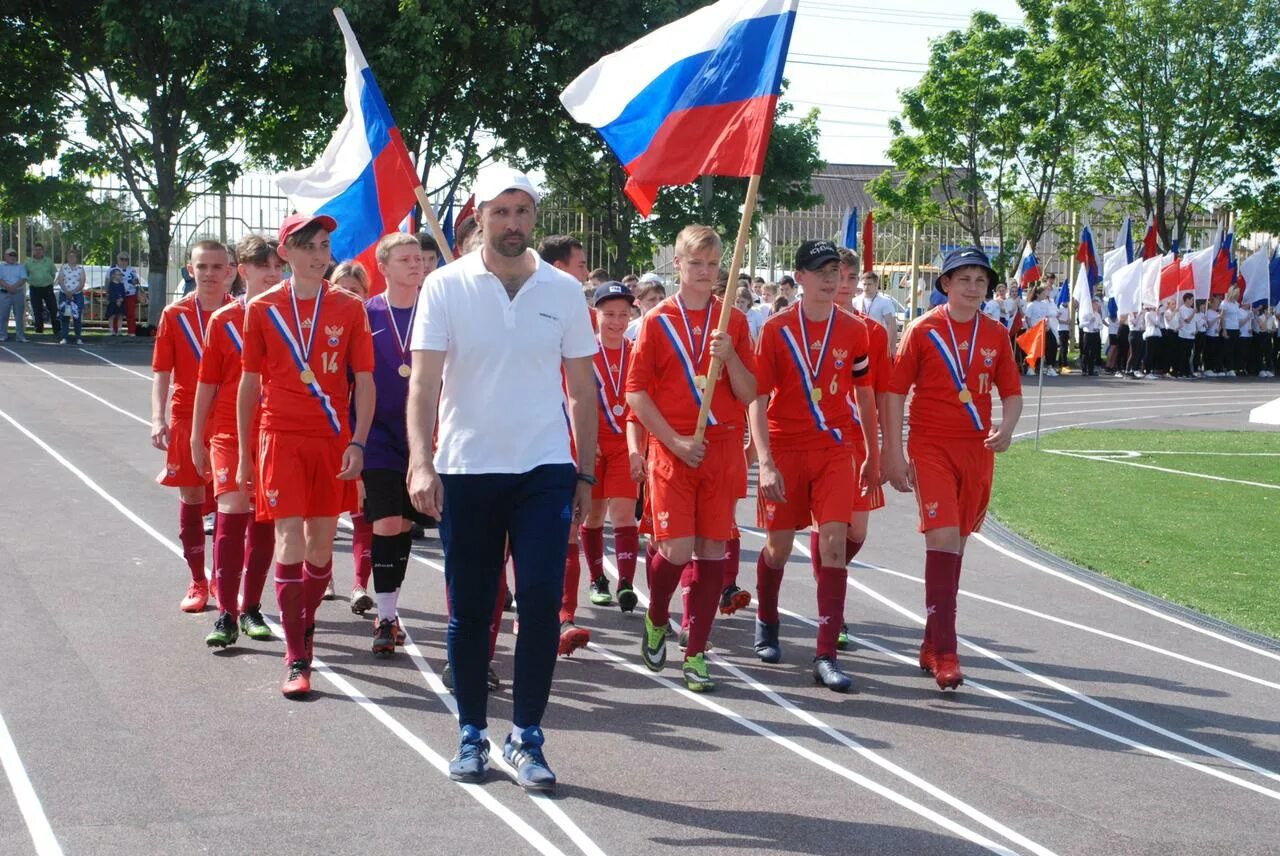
1032,343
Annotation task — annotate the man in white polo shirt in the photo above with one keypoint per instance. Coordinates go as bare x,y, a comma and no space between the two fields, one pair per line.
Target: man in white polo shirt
877,306
492,333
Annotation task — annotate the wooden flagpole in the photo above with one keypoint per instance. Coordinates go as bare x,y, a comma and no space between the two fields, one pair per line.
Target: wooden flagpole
726,307
434,222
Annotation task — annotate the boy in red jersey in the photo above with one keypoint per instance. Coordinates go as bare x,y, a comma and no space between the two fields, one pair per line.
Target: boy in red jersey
614,493
949,360
300,340
693,483
240,544
811,358
175,360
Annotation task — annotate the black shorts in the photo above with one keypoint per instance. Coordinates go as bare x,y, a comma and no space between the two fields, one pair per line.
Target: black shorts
387,495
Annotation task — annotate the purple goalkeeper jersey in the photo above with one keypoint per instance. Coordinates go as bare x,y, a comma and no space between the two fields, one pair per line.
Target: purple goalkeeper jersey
388,446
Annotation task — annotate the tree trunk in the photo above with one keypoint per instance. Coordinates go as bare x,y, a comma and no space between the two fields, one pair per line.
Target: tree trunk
158,240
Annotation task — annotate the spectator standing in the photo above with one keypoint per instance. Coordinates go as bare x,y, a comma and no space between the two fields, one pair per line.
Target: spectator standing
132,281
13,295
70,283
40,275
877,306
115,300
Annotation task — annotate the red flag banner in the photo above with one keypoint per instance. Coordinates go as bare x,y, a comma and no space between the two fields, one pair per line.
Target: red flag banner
1171,280
1032,343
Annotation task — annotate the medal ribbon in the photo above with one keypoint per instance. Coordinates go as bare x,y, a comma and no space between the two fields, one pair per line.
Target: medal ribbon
402,342
816,368
296,352
802,367
952,360
315,321
706,331
616,386
690,372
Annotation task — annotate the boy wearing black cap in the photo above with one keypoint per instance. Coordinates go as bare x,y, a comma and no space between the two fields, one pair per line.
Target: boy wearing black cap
614,493
949,360
811,358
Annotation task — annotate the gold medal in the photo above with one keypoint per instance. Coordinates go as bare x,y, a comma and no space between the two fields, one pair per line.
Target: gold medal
404,370
618,410
307,376
965,396
700,381
815,394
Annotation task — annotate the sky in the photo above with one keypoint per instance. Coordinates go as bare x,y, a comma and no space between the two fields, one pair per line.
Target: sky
850,58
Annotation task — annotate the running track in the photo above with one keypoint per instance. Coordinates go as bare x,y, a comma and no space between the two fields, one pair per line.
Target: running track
1094,721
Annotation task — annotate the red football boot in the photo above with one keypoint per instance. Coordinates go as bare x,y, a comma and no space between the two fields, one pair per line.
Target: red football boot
197,598
927,660
947,672
297,684
572,637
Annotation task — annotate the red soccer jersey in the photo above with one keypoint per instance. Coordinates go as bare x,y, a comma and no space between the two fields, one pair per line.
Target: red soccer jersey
178,349
881,364
659,366
611,368
929,361
220,366
808,369
340,337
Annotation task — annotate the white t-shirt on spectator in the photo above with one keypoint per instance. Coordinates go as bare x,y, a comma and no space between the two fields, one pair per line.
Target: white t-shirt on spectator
502,405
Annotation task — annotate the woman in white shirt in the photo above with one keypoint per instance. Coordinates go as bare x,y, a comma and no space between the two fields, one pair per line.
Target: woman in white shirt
1064,333
1091,332
1245,358
1137,347
1185,317
1152,341
1231,317
70,283
1169,339
1213,337
1197,350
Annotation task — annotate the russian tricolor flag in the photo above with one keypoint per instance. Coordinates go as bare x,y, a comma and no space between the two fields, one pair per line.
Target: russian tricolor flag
365,179
1028,268
696,97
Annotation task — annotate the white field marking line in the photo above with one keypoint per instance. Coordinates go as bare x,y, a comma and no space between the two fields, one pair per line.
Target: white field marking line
1133,453
1186,395
145,377
874,757
809,755
1105,460
542,801
1075,694
1032,563
96,398
1199,403
1051,428
1084,628
1080,696
32,812
486,799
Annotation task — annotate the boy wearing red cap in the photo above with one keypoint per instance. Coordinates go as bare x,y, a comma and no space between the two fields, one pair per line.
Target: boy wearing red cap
240,544
301,338
175,360
811,360
693,484
949,360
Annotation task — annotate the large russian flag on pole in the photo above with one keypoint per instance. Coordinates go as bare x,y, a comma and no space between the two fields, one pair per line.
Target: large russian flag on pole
693,98
365,179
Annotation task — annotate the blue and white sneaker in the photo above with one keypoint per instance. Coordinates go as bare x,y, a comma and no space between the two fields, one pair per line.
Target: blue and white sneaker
472,761
525,754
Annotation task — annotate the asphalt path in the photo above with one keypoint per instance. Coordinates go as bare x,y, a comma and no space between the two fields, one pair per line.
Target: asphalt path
1094,720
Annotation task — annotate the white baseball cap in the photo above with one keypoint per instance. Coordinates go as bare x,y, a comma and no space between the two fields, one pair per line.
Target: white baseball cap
496,179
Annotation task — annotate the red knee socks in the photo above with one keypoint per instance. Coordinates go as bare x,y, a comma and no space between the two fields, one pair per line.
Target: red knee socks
940,579
191,534
832,585
317,580
572,576
293,609
362,549
260,544
626,544
686,587
228,558
732,555
768,584
593,548
704,597
663,578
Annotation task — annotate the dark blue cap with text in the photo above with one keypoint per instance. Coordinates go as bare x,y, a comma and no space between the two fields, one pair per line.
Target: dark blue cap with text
611,290
814,254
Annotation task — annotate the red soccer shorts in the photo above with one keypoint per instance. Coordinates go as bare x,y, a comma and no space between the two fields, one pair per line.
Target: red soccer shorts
298,477
819,485
224,458
613,474
953,482
179,469
872,499
700,502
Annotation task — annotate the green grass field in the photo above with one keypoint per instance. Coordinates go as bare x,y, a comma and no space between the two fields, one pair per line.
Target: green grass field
1210,545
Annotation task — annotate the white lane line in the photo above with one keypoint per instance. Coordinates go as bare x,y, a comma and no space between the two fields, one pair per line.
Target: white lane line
1084,628
522,828
96,398
1170,471
1175,405
807,754
28,803
839,736
1086,699
145,377
1204,631
1046,429
1139,452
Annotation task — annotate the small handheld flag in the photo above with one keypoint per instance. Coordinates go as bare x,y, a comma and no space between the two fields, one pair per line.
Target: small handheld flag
1028,268
849,232
1032,343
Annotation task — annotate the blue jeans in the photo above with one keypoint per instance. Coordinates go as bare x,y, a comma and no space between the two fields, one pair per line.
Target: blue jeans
17,304
481,512
78,321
